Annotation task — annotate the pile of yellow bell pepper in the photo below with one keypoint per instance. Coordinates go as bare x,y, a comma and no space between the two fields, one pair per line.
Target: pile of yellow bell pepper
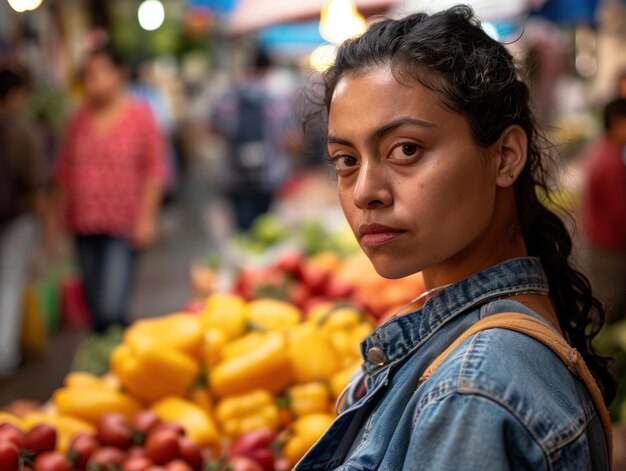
235,367
250,411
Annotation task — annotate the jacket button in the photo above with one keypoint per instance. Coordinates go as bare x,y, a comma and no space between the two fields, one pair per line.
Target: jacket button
376,356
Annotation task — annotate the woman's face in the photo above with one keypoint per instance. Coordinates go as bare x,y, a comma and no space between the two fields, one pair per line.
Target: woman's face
416,189
103,80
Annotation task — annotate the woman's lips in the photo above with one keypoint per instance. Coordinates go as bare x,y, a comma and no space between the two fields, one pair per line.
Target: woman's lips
376,235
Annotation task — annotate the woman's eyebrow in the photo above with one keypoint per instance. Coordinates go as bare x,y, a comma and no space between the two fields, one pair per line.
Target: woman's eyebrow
381,131
338,140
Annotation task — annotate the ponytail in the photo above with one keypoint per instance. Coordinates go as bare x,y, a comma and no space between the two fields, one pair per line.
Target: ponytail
581,315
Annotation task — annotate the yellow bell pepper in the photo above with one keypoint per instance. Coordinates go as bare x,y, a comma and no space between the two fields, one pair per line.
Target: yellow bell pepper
89,404
268,366
198,425
335,316
226,312
152,373
343,345
340,380
65,426
311,353
181,331
308,398
200,396
305,432
358,334
273,314
247,412
346,327
6,418
82,378
242,345
214,342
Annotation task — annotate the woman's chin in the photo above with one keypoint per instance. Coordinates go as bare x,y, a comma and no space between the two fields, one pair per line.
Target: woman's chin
391,268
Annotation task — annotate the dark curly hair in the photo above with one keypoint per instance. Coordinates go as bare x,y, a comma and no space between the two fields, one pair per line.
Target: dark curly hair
474,75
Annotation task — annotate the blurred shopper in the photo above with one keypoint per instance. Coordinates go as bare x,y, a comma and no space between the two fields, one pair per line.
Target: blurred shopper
433,139
253,122
23,199
604,211
110,174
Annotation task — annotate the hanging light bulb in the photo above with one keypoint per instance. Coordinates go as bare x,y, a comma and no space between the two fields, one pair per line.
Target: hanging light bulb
340,20
24,5
151,14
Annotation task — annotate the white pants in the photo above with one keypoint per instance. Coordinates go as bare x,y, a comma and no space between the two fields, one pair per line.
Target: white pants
17,240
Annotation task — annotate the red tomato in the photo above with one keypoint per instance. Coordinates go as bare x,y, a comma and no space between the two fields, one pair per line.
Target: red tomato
82,447
114,430
264,457
40,438
190,452
178,465
173,426
290,261
162,446
9,432
254,440
136,451
9,454
145,421
336,289
137,463
282,464
107,456
52,461
194,306
242,463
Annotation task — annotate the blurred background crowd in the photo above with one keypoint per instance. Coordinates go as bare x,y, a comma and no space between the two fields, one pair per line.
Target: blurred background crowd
136,137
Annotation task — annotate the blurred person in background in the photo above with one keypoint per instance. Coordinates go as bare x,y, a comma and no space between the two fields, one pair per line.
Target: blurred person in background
604,211
110,173
23,200
252,122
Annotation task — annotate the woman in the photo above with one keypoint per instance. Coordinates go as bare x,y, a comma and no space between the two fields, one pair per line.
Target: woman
437,159
110,173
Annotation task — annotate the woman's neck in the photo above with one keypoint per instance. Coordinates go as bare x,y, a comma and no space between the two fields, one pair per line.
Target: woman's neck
108,105
501,241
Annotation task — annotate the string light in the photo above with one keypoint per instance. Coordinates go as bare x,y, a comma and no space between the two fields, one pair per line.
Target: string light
340,20
24,5
151,15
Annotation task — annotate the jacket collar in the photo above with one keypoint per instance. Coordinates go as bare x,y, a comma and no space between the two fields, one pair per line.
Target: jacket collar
399,337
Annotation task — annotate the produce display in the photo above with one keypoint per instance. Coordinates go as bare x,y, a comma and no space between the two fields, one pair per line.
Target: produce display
245,384
246,378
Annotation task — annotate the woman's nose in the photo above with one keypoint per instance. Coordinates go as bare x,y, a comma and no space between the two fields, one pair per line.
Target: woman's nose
371,190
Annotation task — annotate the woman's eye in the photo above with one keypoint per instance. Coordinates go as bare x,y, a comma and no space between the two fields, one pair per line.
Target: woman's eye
345,162
405,151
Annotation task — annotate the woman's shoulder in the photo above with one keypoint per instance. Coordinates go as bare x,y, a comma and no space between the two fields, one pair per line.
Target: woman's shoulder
520,375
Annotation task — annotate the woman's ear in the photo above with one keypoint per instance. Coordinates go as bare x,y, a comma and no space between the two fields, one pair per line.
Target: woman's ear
511,151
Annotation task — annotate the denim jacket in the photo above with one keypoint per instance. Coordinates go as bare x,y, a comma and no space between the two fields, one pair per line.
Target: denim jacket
501,400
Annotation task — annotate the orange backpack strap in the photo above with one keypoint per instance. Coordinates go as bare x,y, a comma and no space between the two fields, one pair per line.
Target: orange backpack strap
536,329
